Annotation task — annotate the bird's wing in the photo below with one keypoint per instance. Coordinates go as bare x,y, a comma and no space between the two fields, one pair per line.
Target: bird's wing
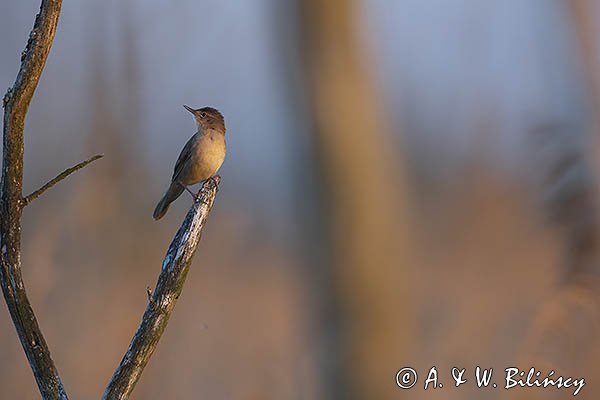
184,157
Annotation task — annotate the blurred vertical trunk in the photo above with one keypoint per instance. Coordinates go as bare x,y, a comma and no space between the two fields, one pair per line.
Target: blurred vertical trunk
365,205
585,240
563,335
115,105
583,14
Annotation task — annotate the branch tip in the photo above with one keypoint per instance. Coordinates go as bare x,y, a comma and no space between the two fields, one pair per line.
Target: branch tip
28,199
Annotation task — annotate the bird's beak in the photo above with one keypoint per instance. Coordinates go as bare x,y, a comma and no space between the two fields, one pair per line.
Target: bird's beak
190,109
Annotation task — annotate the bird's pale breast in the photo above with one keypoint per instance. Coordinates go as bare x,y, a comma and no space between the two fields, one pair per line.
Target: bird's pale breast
208,156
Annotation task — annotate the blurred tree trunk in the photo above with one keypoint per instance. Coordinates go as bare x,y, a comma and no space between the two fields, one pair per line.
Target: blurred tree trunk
365,203
563,335
584,20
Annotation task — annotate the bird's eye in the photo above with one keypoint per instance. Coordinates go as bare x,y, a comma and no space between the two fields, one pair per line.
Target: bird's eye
203,114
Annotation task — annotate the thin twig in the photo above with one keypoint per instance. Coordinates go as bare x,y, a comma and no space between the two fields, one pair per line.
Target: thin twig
168,288
149,293
28,199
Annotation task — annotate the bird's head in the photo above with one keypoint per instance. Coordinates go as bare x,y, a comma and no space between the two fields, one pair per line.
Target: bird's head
208,118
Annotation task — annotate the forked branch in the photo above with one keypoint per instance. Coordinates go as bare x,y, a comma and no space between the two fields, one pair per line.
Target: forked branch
16,102
175,266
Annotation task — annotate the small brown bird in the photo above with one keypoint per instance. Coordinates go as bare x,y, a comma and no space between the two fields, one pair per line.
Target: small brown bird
200,158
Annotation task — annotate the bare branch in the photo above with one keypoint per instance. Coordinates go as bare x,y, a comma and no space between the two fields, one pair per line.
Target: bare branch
168,288
28,199
16,102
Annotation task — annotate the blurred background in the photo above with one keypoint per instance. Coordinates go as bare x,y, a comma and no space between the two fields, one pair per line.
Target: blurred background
408,183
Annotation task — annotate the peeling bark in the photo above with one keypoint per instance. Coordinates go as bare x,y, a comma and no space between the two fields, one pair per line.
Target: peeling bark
162,302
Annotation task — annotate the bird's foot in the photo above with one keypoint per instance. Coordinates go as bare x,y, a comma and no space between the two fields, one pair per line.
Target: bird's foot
213,181
194,195
210,183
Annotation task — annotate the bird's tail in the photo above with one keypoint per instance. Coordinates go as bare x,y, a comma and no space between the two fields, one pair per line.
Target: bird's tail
170,196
